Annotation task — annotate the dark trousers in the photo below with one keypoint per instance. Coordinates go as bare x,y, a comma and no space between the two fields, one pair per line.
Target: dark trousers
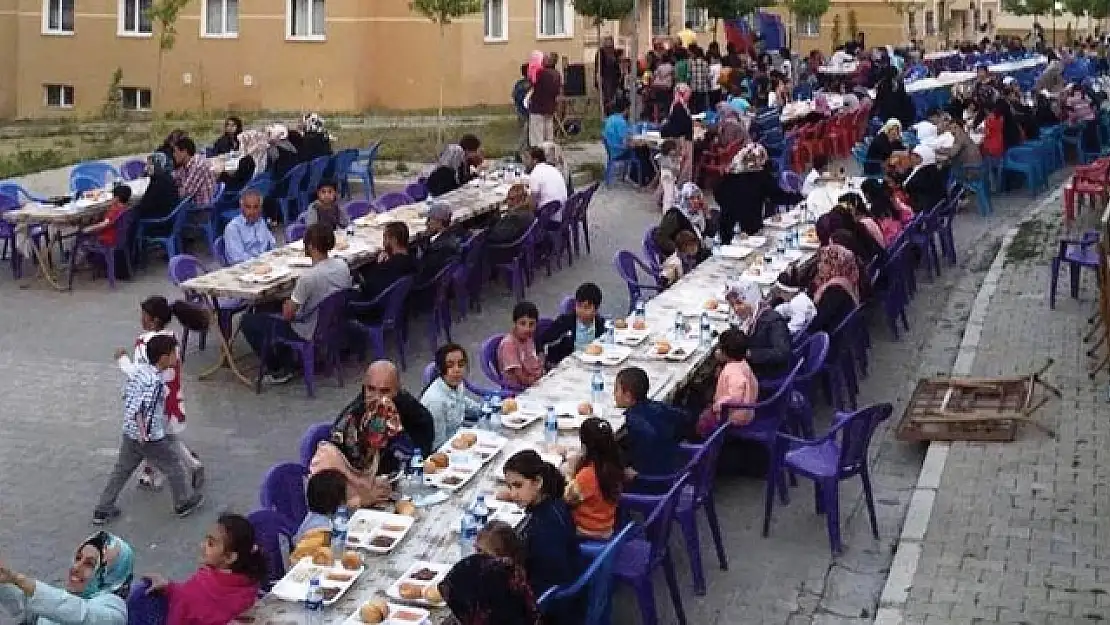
159,454
257,328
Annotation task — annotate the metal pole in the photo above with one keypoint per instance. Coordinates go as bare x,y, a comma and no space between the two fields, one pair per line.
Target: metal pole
634,53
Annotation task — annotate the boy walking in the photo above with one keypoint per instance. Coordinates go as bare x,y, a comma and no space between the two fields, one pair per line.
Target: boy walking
144,433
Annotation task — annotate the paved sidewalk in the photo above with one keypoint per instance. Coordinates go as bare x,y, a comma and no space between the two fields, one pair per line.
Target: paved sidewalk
1019,531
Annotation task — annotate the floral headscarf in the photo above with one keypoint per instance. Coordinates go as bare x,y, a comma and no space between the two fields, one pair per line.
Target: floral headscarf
115,569
890,124
255,144
751,157
277,132
682,93
365,429
836,266
482,589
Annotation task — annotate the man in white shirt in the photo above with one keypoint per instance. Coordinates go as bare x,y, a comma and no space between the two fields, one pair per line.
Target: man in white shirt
545,182
247,236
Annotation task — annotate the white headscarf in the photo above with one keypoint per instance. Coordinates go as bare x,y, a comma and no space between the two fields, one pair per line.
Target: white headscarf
255,144
928,156
688,191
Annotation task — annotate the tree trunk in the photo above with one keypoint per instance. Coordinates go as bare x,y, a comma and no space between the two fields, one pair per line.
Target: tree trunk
158,77
716,21
442,78
597,72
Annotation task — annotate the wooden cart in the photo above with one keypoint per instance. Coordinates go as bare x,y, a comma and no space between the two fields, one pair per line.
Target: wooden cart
973,409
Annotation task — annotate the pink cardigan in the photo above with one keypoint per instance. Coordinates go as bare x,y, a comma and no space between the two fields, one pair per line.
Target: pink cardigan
210,597
737,383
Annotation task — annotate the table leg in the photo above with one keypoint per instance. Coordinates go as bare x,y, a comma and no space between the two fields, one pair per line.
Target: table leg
40,255
227,356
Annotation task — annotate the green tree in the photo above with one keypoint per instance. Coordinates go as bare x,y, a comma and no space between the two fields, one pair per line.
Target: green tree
729,9
1028,7
441,12
807,9
164,14
599,12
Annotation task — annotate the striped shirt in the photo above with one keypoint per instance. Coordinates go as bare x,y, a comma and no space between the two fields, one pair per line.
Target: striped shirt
144,404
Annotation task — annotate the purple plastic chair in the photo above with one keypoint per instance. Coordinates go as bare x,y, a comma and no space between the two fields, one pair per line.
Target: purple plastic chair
652,253
171,240
544,243
628,265
470,274
357,208
558,235
271,530
596,580
439,287
294,232
812,353
91,245
283,492
310,439
8,235
430,374
390,201
518,269
185,267
828,460
488,362
845,343
642,554
144,607
768,420
391,303
581,219
220,249
566,307
328,338
702,469
133,169
418,191
1077,253
895,294
291,202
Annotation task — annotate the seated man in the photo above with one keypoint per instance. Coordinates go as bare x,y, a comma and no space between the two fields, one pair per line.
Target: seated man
417,424
442,246
192,174
651,443
571,332
298,313
545,181
393,263
247,236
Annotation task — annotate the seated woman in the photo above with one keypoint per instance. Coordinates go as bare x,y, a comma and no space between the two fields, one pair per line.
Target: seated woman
229,140
254,145
491,585
767,331
835,287
685,257
96,585
883,211
842,217
746,191
447,397
232,569
689,214
736,383
160,197
926,183
887,142
868,227
453,167
358,442
515,221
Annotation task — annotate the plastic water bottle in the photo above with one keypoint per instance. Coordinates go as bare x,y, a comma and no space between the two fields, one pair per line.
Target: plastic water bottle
314,601
468,534
480,511
641,310
551,427
717,242
736,231
495,413
679,326
704,330
339,527
416,474
484,420
597,388
609,335
350,229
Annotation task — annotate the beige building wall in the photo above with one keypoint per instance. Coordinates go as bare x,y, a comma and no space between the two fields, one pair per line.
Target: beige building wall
374,54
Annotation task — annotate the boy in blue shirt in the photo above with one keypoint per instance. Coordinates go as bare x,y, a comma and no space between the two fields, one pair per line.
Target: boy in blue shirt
651,443
571,332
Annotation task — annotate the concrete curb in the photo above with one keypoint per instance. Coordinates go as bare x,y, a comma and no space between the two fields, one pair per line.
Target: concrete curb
903,568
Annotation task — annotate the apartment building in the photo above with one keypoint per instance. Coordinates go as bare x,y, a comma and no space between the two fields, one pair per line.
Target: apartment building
59,56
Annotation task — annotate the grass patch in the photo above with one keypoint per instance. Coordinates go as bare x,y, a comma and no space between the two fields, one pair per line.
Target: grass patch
1030,241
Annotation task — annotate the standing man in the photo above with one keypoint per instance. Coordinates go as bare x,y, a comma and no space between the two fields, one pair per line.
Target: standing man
541,108
247,236
607,70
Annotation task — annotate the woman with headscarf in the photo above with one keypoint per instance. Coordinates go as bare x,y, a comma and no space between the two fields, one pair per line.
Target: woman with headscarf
446,176
887,142
95,591
887,215
835,287
254,145
281,156
767,330
730,129
358,448
690,212
514,222
926,183
746,191
489,589
680,127
160,197
314,139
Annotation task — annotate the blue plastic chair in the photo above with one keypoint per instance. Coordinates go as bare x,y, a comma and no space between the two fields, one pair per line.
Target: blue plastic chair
80,184
1027,162
291,203
316,169
97,170
597,581
294,232
170,241
365,170
145,607
613,161
16,191
343,161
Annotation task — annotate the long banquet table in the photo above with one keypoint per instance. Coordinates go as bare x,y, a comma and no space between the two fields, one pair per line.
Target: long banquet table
434,536
466,203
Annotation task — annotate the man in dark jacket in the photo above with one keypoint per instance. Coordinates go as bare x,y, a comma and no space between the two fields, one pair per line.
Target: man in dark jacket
653,428
571,332
442,246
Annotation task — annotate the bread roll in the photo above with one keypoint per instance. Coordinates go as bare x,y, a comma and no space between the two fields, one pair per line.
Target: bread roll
585,409
405,508
352,561
620,324
323,557
432,594
440,459
593,350
509,406
663,347
711,304
639,324
410,591
372,613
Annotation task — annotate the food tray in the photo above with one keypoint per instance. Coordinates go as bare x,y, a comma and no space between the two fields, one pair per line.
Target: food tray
366,526
785,221
294,586
573,423
419,615
611,355
629,335
526,414
466,462
734,252
685,349
766,276
440,569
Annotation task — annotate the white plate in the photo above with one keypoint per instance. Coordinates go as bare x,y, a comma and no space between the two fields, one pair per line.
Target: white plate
522,418
366,525
394,590
355,619
687,346
809,245
735,252
785,221
294,586
573,423
610,355
766,276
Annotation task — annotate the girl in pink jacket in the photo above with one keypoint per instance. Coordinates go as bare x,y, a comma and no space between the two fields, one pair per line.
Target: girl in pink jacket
227,582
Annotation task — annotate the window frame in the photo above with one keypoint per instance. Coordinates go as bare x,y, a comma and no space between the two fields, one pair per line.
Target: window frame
911,23
47,14
290,36
568,21
800,24
486,37
660,20
138,99
930,23
226,34
701,24
121,20
63,104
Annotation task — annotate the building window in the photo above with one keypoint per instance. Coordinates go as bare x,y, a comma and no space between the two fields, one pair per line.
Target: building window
135,98
221,18
911,21
930,27
306,19
134,17
699,18
57,16
58,96
808,26
990,17
553,18
660,17
496,14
